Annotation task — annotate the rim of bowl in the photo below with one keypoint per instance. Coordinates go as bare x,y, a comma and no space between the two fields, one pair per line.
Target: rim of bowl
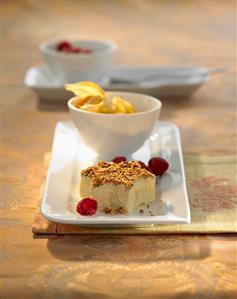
112,46
136,114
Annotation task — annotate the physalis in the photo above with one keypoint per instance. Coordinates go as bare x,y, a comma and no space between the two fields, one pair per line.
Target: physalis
91,97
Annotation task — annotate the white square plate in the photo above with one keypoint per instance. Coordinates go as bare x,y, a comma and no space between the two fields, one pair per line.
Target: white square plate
70,155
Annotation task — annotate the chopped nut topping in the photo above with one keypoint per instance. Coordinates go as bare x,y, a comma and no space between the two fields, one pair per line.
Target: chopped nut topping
125,173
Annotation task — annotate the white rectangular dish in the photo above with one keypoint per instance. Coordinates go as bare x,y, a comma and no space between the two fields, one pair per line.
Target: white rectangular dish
48,88
70,155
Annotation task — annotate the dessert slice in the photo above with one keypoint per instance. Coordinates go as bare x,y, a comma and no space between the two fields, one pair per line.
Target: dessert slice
118,188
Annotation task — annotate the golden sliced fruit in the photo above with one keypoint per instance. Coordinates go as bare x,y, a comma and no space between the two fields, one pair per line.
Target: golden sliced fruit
81,101
88,100
104,109
95,100
90,108
91,97
118,106
129,107
85,89
100,108
122,106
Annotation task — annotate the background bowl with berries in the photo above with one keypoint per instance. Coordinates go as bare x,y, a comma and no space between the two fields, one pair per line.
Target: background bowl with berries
81,59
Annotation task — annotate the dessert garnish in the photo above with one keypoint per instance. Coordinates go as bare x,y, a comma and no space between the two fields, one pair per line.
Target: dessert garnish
91,97
87,206
66,47
119,159
124,173
143,165
158,165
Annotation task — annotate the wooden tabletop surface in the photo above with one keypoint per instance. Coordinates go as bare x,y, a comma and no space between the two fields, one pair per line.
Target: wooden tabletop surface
148,33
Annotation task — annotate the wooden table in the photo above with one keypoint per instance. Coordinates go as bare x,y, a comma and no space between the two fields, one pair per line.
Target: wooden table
148,33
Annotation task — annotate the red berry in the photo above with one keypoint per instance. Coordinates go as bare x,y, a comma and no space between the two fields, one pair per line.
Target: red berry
64,46
85,51
158,165
143,165
87,206
119,159
76,50
66,50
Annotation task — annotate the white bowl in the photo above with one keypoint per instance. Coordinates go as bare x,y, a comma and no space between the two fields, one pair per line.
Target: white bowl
72,67
117,134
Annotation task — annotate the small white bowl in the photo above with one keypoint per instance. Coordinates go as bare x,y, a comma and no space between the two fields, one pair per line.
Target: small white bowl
72,67
117,134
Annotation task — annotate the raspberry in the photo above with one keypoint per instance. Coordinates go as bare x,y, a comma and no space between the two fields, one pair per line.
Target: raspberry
85,51
87,206
66,50
158,165
76,50
119,159
64,46
143,165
